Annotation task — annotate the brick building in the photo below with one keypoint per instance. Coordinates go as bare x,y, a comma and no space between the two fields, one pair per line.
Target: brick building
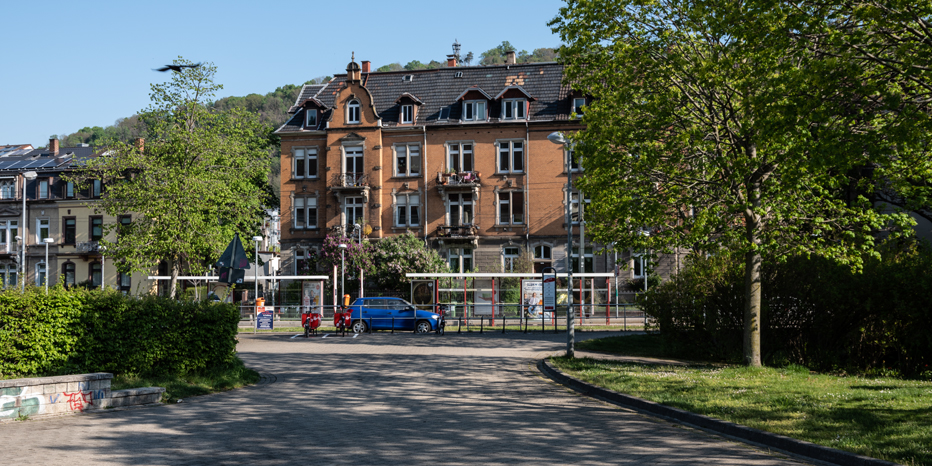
457,155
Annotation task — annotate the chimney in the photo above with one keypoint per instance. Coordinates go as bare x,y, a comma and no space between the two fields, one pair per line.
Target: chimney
510,57
451,61
53,147
366,65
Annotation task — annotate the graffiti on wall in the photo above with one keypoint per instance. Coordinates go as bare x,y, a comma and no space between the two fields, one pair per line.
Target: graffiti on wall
14,402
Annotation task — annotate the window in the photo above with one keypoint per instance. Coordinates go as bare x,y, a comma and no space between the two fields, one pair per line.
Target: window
42,229
460,157
460,260
7,189
305,212
460,209
305,163
407,160
353,166
511,156
474,110
69,230
96,189
311,118
67,273
300,261
638,265
95,272
574,207
97,228
578,104
514,109
352,208
587,260
8,231
542,252
407,210
407,113
40,274
511,208
126,282
352,111
44,188
69,189
8,275
125,222
575,164
511,256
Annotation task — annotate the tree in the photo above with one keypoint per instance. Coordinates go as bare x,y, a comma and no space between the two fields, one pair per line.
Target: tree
710,128
390,67
469,58
496,56
395,256
199,176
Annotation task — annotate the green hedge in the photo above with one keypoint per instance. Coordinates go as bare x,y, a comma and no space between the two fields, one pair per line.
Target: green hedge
77,331
814,312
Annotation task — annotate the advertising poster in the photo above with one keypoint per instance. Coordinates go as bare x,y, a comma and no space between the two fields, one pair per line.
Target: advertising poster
532,297
312,296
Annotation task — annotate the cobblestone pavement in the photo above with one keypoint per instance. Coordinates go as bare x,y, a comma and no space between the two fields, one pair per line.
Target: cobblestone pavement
380,399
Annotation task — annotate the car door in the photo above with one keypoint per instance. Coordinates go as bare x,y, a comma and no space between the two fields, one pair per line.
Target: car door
404,314
374,313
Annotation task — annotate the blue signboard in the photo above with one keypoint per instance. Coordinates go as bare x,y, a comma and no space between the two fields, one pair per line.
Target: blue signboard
264,321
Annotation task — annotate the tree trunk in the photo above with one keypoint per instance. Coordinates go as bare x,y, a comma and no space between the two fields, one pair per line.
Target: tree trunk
176,265
752,295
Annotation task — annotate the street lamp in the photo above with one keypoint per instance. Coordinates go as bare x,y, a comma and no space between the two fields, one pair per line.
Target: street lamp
257,239
556,137
47,241
30,175
358,228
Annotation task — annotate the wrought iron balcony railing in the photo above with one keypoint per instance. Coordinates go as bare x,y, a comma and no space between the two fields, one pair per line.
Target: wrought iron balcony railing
470,178
458,231
350,180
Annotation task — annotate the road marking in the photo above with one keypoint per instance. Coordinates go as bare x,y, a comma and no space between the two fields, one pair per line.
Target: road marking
356,335
296,336
325,336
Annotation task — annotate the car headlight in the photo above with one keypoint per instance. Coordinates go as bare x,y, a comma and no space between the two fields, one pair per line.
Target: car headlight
435,317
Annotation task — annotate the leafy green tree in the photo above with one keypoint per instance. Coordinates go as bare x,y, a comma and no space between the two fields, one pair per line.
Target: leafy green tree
395,256
199,177
496,56
710,128
390,67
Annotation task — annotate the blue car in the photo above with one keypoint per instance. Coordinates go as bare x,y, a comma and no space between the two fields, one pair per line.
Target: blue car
386,313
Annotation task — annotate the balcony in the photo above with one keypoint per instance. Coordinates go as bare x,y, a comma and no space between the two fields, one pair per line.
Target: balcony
470,179
467,231
89,247
350,180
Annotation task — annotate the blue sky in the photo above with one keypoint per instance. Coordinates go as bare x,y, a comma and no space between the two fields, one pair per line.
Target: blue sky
68,64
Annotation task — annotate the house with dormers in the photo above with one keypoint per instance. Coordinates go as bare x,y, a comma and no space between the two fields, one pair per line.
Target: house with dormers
458,156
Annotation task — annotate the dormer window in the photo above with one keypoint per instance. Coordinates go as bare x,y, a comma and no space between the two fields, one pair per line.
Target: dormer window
578,104
514,109
407,114
474,110
311,118
352,111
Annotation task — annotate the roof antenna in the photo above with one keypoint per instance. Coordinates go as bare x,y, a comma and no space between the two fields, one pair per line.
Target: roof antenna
456,49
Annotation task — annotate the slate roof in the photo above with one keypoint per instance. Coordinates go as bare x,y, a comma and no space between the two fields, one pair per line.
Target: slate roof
439,88
308,91
42,160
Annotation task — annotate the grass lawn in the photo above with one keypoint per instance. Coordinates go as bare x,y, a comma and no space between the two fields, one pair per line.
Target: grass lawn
884,418
217,379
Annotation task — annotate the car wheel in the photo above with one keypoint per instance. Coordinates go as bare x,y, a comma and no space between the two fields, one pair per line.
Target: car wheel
423,326
359,327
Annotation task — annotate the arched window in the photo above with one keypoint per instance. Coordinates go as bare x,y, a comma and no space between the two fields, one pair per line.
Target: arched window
352,111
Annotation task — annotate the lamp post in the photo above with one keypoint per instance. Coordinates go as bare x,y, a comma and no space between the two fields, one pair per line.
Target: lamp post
47,241
257,239
556,137
103,267
27,176
19,241
343,272
358,229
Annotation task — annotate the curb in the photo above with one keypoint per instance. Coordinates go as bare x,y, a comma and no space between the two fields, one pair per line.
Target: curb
779,442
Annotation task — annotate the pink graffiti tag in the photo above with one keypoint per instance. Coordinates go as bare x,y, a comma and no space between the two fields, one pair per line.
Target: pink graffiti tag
80,400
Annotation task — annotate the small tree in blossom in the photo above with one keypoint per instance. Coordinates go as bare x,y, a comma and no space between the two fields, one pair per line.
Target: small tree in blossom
396,256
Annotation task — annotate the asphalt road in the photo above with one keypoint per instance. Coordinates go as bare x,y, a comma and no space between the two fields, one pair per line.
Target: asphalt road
380,399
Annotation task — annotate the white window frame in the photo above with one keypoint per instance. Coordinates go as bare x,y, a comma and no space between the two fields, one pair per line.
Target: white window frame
637,264
577,108
514,109
41,273
510,255
543,247
507,198
575,163
43,188
95,188
304,207
307,156
8,275
461,255
475,110
457,153
353,112
46,224
9,229
7,189
408,153
361,204
458,205
69,189
407,114
308,113
406,205
354,152
298,255
512,154
588,258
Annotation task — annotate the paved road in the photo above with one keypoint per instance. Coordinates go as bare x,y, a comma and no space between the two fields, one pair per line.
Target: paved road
380,399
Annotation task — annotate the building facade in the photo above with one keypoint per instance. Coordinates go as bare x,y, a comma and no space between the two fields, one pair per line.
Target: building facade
458,156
